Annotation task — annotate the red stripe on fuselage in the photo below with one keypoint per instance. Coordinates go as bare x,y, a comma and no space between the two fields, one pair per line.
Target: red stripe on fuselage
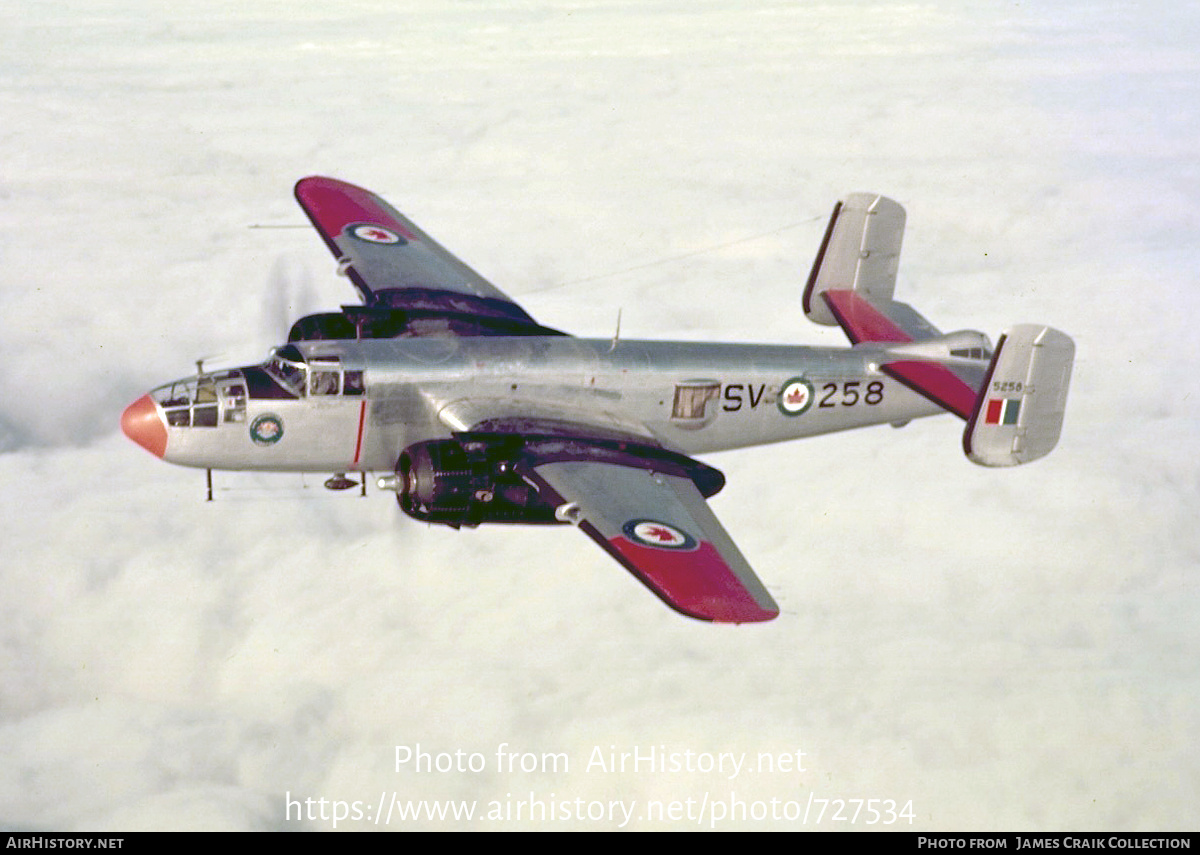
362,419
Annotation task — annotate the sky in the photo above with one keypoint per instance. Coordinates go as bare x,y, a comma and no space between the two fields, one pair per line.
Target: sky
970,649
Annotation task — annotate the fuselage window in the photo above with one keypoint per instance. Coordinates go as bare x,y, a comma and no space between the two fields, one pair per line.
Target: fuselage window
691,398
204,415
204,412
352,384
235,403
323,382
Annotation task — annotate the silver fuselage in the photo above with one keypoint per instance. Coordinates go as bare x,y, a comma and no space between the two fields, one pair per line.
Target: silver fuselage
375,397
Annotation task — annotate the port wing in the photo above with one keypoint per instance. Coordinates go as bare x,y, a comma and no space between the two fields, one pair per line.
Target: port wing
659,527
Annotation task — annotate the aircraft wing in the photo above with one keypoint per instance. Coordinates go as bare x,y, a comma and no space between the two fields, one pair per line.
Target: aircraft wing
658,525
392,263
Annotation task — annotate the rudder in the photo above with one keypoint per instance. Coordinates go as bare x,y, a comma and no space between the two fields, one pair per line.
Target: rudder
1019,413
860,252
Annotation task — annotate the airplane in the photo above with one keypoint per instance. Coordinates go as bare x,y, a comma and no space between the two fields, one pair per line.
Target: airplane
480,414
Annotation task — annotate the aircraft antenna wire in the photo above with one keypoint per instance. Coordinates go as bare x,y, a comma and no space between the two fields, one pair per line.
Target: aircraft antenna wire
681,256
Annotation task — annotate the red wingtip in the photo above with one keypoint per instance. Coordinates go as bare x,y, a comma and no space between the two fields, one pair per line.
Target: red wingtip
699,583
142,423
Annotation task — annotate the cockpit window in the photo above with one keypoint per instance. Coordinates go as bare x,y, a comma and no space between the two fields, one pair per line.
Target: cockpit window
287,365
324,382
318,375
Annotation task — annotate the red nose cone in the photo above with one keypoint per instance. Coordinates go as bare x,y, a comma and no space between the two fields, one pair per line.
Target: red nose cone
142,423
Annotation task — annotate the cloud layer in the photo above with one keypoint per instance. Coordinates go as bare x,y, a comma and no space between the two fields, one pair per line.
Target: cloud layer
1005,649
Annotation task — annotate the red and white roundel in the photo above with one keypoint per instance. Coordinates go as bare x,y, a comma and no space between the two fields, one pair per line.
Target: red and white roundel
658,534
374,234
795,396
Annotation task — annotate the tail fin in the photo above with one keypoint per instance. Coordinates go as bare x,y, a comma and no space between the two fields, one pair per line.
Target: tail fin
851,285
1013,405
860,255
1019,414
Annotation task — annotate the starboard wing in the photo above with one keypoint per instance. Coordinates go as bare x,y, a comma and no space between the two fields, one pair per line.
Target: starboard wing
658,525
395,265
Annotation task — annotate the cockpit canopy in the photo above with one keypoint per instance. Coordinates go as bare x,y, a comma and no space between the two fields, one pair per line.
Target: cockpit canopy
219,397
318,375
287,366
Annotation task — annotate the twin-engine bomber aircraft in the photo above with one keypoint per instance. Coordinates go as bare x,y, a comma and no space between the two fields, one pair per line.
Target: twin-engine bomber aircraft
483,415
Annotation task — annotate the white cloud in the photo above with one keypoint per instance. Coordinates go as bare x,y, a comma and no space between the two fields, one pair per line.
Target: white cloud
1009,649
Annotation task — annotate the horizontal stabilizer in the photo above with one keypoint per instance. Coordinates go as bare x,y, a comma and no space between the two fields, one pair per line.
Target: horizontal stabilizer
953,387
865,320
1019,414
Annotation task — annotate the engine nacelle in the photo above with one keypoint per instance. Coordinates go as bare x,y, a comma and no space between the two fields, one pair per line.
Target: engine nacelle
326,326
443,482
353,322
477,477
